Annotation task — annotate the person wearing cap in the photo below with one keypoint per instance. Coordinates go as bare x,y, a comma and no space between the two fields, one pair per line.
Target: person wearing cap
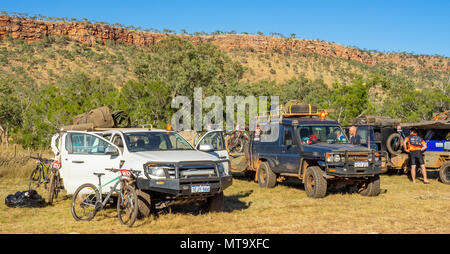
415,145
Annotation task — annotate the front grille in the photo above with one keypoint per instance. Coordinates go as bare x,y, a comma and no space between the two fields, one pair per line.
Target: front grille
352,157
193,171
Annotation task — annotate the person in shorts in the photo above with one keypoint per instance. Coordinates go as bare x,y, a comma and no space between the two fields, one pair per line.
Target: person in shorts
415,145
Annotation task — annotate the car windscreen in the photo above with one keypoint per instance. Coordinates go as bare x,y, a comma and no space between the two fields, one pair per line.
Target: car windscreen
321,134
155,141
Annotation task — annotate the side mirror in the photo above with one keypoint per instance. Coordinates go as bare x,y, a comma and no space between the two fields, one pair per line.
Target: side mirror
111,150
206,148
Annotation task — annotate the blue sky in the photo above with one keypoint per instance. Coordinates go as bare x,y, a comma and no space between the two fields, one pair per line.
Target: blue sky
420,27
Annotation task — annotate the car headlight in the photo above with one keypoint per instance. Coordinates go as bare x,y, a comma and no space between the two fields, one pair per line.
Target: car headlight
155,170
330,157
337,158
333,157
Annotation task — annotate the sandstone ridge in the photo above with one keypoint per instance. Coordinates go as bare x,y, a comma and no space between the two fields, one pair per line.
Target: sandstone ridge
90,33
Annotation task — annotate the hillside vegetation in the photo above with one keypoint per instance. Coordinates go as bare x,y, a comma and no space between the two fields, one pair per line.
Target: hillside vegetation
46,80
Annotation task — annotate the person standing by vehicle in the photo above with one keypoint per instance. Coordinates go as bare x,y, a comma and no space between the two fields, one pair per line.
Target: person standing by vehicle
354,139
415,145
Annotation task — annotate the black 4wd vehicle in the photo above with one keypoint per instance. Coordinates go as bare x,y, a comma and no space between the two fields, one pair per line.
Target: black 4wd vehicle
304,145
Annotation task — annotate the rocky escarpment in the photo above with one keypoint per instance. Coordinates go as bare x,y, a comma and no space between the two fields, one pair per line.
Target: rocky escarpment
90,33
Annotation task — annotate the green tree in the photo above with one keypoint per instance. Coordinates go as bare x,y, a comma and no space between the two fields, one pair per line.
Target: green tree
55,106
183,66
349,101
146,102
10,110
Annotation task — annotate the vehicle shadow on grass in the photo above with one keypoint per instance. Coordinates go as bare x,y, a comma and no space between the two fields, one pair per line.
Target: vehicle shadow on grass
296,184
231,203
431,174
248,176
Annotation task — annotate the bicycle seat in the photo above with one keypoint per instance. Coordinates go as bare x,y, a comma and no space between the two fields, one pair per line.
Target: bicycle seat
99,174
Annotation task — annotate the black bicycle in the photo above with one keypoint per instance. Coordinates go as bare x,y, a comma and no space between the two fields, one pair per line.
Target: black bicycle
55,182
88,199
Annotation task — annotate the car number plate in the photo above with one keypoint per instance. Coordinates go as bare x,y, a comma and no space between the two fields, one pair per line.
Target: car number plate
361,164
200,188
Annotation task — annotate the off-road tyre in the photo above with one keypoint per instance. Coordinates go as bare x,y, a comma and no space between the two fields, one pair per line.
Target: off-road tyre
53,191
94,197
127,206
444,173
371,187
315,182
394,150
266,177
144,204
215,203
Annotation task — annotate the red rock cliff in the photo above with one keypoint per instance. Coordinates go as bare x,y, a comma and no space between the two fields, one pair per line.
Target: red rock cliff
89,33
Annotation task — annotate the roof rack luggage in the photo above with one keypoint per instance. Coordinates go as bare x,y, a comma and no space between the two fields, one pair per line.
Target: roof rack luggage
99,119
292,109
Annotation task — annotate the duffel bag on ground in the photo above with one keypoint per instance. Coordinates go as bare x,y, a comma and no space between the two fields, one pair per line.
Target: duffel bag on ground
29,198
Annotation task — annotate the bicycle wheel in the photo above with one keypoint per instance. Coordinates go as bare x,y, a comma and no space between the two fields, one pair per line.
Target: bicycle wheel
35,177
54,187
239,147
127,205
84,202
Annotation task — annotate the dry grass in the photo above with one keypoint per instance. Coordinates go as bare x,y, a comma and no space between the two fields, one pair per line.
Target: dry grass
402,207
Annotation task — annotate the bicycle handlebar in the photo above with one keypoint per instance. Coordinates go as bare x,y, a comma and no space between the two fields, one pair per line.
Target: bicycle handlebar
117,170
43,160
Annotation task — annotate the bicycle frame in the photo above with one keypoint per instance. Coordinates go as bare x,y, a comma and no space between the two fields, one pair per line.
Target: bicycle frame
113,189
44,171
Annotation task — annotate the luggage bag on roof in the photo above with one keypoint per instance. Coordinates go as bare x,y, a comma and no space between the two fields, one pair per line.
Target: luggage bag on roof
99,117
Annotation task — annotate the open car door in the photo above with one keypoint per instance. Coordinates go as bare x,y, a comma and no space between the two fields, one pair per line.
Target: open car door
214,138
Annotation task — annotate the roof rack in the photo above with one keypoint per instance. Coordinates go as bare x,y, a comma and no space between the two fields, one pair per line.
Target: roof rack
90,127
281,112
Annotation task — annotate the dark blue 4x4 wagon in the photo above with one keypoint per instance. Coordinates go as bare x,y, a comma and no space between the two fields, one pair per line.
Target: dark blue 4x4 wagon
316,151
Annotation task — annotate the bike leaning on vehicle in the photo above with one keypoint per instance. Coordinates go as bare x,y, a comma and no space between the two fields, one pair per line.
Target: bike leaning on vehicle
40,174
235,141
88,200
55,182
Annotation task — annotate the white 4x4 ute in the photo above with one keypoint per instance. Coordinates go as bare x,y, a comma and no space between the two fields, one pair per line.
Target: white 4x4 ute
171,169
